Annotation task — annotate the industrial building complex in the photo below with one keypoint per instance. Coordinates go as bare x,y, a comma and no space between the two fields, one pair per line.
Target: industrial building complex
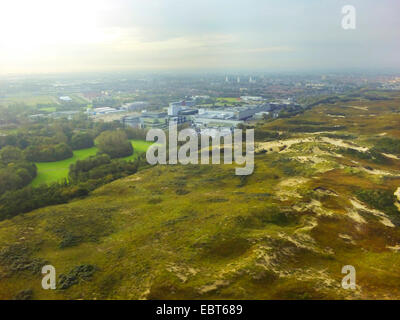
201,118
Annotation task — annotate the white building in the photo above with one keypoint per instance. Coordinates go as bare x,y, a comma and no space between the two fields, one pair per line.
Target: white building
104,110
174,108
216,132
260,115
65,98
135,106
251,98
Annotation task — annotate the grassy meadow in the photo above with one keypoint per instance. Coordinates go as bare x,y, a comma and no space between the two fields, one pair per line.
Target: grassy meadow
34,100
30,100
49,172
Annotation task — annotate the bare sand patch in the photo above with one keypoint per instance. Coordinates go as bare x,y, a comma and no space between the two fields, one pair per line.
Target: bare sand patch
280,145
346,238
303,159
315,206
343,144
182,272
377,172
354,215
284,145
391,156
382,217
394,248
214,286
293,182
287,188
359,108
135,178
397,194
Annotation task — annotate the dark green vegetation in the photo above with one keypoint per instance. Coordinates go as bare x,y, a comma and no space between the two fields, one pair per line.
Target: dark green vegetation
383,200
50,153
388,145
99,167
372,155
76,275
15,171
81,140
315,203
115,144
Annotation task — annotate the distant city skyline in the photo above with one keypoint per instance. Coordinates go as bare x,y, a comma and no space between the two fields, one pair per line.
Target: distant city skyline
46,36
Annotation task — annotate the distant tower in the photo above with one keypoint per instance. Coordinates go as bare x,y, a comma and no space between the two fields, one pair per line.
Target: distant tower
226,79
238,80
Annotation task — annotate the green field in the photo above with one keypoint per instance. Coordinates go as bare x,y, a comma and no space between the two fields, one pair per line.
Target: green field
49,172
228,99
30,100
49,109
139,147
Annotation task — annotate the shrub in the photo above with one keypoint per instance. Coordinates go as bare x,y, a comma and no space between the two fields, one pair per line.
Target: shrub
77,274
388,145
24,295
11,154
45,153
115,144
16,176
383,200
81,140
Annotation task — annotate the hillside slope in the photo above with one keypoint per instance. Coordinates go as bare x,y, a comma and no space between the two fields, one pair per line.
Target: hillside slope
316,202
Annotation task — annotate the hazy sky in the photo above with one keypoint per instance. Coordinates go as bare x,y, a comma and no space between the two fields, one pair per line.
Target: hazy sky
101,35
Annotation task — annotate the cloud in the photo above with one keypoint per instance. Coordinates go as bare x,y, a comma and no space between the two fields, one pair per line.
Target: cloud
107,34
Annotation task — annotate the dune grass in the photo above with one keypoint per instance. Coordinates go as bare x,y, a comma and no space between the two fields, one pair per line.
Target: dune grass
49,172
201,232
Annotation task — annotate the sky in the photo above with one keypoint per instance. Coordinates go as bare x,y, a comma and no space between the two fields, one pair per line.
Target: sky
46,36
